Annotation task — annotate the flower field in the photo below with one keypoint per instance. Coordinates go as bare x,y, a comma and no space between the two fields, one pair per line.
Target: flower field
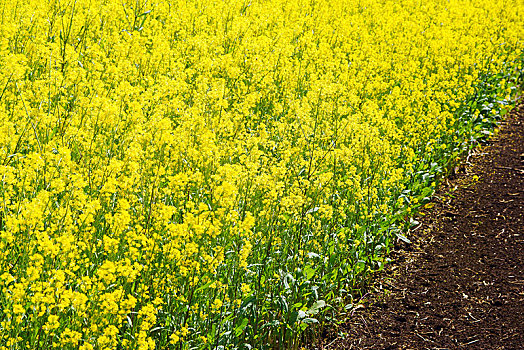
195,174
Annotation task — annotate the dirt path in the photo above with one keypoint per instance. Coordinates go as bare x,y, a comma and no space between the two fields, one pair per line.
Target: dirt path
462,284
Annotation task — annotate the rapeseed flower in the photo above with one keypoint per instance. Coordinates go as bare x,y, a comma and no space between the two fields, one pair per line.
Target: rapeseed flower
194,174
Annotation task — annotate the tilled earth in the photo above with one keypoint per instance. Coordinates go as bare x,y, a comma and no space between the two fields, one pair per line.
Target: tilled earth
460,284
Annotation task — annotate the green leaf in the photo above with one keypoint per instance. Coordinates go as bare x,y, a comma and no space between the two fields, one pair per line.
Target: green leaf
289,281
403,238
316,307
309,272
204,286
240,328
310,320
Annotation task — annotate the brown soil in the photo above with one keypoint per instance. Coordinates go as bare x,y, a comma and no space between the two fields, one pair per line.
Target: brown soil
460,284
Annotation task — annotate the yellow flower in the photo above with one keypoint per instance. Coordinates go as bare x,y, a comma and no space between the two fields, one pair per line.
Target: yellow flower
174,338
152,151
216,305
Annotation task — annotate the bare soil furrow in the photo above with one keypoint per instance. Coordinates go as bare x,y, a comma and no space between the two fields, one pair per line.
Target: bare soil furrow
460,284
